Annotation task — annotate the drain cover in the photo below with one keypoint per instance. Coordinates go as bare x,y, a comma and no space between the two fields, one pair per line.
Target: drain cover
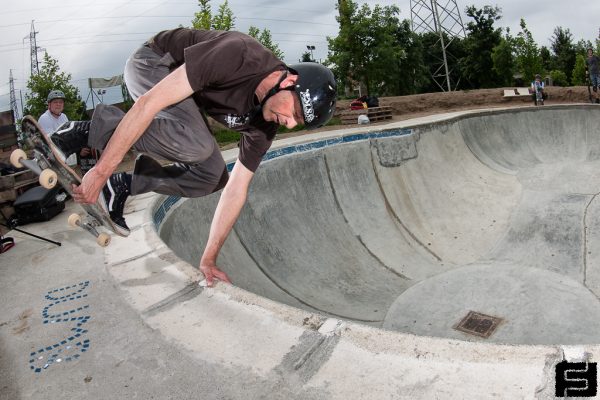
478,324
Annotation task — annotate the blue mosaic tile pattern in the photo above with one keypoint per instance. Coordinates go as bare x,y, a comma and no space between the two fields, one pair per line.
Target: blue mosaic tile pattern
71,347
160,214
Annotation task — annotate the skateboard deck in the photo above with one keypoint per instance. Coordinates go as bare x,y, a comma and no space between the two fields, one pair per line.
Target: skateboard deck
49,164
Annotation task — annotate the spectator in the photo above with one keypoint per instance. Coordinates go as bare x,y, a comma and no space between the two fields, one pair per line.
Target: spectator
592,72
54,117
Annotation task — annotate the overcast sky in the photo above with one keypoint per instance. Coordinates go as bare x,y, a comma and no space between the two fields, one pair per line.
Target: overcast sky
94,38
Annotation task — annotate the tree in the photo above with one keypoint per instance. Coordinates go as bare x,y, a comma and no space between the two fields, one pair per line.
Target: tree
306,57
477,66
50,78
528,59
413,73
367,49
265,38
504,60
547,59
559,78
578,75
203,18
564,50
224,20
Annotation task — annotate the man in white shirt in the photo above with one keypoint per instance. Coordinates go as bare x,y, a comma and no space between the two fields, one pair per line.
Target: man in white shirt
54,117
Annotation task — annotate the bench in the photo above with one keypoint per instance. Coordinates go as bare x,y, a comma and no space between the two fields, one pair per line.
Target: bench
374,113
517,92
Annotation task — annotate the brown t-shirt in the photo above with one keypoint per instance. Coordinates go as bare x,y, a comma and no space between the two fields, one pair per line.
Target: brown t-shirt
224,69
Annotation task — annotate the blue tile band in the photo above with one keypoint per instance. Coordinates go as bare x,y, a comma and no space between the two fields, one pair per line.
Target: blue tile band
161,212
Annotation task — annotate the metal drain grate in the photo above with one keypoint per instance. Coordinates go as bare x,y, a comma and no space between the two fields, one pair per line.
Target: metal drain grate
478,324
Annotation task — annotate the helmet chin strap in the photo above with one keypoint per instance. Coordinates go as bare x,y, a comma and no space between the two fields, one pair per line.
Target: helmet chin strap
272,92
276,89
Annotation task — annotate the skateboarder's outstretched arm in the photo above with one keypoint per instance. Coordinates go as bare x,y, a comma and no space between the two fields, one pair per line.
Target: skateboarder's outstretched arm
172,89
228,210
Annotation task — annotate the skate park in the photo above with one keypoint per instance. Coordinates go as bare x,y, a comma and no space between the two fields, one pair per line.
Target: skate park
358,256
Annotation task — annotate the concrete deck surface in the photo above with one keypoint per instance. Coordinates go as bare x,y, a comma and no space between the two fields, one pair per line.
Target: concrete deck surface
128,321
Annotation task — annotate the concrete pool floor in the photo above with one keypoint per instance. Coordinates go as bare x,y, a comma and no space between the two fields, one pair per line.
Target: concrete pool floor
141,328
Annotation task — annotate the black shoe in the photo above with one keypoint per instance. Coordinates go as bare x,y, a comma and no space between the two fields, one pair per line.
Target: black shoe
71,137
597,101
115,192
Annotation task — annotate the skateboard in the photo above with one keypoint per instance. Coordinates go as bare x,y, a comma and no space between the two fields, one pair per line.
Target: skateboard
539,96
48,164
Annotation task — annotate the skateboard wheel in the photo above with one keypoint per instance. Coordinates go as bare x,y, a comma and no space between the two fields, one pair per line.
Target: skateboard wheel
48,179
16,156
74,220
103,239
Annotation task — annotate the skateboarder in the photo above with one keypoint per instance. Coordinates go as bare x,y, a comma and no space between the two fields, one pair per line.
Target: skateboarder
592,72
174,78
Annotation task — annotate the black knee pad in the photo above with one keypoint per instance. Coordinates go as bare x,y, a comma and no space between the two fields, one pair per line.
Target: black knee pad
595,89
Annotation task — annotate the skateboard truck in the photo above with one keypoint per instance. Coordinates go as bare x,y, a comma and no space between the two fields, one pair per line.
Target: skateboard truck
89,224
47,177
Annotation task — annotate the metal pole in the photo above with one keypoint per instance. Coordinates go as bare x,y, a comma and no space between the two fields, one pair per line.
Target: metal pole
440,31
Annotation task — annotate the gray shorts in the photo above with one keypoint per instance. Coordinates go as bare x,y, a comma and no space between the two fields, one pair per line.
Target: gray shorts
179,134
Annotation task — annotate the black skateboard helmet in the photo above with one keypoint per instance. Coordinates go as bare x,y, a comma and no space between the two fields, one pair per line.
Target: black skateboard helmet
316,89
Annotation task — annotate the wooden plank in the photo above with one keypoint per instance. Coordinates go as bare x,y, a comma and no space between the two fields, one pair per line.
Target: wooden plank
8,195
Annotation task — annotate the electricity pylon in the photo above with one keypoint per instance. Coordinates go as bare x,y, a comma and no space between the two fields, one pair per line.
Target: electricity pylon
443,18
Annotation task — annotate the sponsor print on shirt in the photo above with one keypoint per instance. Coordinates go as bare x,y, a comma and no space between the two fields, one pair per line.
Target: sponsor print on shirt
235,121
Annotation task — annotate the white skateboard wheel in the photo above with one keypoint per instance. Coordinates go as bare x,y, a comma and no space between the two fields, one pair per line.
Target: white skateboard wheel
74,220
16,156
103,239
48,179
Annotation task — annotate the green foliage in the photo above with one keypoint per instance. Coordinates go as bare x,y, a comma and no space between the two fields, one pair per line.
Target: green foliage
306,57
528,59
224,135
265,38
50,78
559,78
578,75
371,49
564,50
203,18
432,58
547,59
477,65
224,20
504,61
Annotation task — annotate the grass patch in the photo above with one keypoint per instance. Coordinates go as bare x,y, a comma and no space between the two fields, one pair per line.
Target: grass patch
226,136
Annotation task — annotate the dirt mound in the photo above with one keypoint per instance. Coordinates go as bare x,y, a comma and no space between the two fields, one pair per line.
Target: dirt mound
434,103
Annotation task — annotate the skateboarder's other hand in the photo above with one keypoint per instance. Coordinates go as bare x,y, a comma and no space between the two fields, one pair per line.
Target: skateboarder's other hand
89,189
211,272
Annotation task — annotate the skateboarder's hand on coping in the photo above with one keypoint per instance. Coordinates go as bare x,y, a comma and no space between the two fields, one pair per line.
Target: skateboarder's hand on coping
211,272
89,189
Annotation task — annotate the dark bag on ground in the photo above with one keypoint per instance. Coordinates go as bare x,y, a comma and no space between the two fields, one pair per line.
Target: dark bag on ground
38,204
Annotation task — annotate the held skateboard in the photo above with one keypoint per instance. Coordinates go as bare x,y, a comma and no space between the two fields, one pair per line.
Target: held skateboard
51,168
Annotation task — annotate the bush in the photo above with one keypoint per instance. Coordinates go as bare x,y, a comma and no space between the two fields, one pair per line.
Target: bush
559,78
